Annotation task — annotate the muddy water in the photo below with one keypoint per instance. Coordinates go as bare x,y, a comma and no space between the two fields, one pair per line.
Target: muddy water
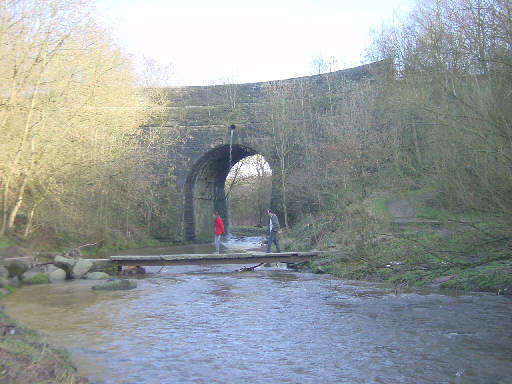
272,325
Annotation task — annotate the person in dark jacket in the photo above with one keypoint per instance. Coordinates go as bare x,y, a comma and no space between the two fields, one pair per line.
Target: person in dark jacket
273,230
219,230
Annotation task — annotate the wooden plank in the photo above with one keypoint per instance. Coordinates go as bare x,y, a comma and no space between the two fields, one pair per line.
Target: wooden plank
284,254
216,258
195,256
208,261
136,258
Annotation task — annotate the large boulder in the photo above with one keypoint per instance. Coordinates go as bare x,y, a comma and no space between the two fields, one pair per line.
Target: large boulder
81,267
114,285
35,275
16,268
65,263
33,271
39,278
57,275
4,273
54,273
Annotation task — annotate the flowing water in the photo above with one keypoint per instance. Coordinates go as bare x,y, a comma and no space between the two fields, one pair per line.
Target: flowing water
200,324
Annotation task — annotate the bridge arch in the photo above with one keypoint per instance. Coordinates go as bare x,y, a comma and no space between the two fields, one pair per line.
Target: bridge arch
206,116
204,189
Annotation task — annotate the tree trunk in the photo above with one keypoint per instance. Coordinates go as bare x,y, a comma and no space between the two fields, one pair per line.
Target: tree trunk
5,196
283,192
17,205
28,227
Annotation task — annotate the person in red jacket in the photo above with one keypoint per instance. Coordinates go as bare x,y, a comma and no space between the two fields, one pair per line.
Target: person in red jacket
219,230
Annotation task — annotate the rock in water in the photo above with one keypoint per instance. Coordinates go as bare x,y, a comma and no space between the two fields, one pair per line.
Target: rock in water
55,274
81,267
16,268
40,278
65,263
115,285
97,276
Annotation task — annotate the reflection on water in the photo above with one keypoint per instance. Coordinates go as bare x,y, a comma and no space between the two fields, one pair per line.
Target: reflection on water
197,324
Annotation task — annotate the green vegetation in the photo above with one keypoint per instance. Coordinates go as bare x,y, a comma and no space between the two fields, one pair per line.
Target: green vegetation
456,253
4,243
114,285
248,231
40,278
410,180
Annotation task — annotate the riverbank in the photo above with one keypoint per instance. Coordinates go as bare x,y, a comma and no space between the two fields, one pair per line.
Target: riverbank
405,242
195,324
365,242
25,358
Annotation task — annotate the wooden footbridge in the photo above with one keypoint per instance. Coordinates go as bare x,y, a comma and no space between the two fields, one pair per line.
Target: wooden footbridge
215,258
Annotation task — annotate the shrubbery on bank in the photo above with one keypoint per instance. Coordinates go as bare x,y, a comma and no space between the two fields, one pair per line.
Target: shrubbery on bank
446,250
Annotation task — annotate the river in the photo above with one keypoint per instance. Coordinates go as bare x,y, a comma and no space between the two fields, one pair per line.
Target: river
211,324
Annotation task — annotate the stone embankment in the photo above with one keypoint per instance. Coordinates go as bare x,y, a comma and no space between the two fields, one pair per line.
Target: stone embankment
47,268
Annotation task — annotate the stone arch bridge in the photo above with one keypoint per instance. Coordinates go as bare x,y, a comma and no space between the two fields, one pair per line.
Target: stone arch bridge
208,114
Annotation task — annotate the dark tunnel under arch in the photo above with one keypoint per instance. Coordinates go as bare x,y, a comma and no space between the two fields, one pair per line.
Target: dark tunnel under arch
204,189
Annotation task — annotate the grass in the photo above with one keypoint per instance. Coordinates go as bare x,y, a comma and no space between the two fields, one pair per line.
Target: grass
4,243
248,231
379,206
418,261
463,251
492,277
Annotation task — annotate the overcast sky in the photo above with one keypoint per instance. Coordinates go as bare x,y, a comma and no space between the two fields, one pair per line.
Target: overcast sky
218,41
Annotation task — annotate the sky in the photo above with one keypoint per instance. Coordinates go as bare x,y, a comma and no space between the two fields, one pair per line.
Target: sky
204,42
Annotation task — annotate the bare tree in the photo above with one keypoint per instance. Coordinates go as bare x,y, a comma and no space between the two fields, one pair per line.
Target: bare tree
69,116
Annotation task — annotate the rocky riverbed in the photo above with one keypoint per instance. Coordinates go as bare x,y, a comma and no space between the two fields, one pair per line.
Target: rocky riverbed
24,356
45,268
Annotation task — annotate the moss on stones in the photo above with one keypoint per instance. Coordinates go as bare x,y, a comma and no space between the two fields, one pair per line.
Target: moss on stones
40,278
115,285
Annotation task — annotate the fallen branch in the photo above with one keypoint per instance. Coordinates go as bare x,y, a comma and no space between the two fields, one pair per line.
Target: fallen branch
245,269
90,245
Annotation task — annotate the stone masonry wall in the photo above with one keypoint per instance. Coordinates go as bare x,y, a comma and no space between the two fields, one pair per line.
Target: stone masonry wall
206,113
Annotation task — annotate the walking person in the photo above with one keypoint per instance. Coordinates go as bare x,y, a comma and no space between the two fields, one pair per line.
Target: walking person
273,229
219,230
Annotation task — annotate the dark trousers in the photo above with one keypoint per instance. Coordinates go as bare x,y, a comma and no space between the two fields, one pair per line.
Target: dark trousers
273,239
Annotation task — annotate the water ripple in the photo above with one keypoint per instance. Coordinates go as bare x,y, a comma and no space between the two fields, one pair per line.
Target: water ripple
213,325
